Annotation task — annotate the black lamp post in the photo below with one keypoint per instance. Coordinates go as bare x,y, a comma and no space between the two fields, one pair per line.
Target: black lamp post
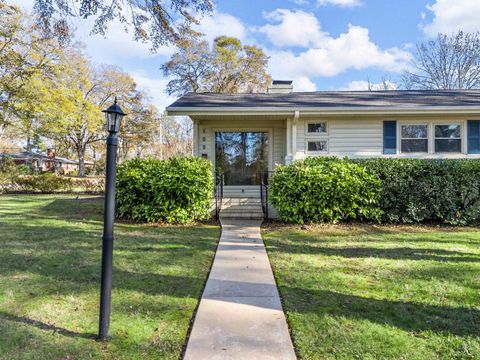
114,115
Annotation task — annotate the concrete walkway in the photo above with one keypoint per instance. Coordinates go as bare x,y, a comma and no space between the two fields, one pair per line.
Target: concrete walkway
240,315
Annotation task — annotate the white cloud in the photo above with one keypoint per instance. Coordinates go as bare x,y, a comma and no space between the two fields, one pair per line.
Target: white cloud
293,28
25,4
155,87
303,83
300,2
117,45
218,24
365,85
324,54
341,3
327,55
453,15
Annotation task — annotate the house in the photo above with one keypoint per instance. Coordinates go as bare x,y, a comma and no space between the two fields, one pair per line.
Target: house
248,134
45,162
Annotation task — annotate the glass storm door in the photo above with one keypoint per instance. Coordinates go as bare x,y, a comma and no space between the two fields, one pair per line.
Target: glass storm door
241,156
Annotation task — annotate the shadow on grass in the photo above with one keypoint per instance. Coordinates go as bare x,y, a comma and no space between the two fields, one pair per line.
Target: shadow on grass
68,259
408,316
396,253
43,326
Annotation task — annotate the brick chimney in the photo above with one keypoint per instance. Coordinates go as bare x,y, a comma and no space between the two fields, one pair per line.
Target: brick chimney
51,153
280,87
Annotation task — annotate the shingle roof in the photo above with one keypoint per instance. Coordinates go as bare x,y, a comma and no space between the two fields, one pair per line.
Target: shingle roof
332,99
28,155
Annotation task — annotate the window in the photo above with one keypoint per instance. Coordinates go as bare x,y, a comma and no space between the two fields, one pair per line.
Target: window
414,138
448,138
317,146
317,128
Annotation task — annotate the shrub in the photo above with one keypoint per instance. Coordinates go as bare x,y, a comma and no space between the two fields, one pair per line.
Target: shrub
44,183
8,170
93,185
324,190
174,190
414,190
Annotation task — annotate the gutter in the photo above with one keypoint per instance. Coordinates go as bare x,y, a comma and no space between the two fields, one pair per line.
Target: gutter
290,111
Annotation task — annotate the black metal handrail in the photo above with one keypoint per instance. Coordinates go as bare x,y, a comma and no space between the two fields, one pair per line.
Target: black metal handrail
218,193
264,192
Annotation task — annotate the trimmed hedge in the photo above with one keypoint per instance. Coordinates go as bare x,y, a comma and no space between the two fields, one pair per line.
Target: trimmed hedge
44,183
49,183
324,190
391,190
440,191
177,190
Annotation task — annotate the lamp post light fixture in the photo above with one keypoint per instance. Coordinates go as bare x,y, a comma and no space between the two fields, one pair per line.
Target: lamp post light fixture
113,115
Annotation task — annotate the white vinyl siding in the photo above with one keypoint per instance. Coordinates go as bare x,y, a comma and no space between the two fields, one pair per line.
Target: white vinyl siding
278,146
356,137
345,137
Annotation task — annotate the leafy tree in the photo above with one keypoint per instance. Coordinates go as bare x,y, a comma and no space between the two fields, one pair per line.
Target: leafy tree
72,104
448,62
139,129
190,67
237,67
228,67
160,22
26,57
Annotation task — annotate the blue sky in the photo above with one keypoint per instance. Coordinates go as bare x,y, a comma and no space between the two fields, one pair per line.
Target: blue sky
319,44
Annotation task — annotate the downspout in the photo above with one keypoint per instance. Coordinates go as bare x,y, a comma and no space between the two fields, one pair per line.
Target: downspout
294,134
291,137
195,149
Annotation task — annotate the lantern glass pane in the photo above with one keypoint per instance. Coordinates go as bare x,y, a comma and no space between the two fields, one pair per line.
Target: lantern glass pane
111,122
118,122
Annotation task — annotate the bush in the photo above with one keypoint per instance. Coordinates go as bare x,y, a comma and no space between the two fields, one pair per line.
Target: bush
92,185
414,190
175,190
8,170
324,190
44,183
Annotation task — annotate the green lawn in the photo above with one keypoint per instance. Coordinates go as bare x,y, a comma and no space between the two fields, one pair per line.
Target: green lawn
372,292
50,249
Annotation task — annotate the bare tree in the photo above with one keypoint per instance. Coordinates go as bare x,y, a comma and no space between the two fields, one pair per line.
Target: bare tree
448,62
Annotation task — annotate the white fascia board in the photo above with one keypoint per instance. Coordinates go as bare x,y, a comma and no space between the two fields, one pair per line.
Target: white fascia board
192,111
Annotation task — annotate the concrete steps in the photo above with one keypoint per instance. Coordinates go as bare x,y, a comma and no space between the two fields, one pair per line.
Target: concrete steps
241,208
238,191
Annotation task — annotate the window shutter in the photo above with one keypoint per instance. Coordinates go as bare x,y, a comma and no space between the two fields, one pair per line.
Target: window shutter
389,137
473,133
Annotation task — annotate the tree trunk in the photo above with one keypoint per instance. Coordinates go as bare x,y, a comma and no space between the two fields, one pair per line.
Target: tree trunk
81,161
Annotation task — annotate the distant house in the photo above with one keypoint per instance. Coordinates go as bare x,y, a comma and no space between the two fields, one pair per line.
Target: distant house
247,134
45,162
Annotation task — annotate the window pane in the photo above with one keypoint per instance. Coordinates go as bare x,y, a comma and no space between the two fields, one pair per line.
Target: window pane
414,131
317,127
317,145
415,145
448,145
447,131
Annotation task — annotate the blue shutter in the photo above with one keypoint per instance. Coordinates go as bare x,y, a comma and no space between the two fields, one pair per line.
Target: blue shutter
473,134
389,137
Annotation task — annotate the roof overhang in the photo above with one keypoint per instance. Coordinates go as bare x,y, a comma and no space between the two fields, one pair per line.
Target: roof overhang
238,111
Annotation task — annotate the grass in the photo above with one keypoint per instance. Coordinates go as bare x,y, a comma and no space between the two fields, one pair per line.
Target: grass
379,292
50,250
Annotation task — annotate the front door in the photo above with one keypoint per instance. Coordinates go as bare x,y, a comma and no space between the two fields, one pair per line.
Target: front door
241,156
